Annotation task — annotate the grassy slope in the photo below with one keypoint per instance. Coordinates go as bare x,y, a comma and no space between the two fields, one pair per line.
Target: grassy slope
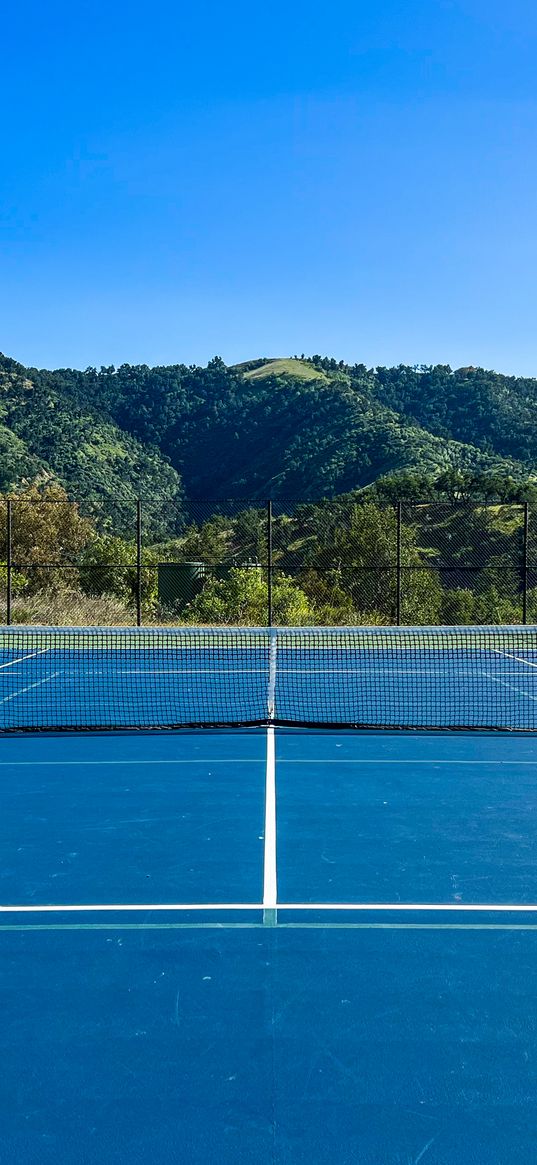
299,369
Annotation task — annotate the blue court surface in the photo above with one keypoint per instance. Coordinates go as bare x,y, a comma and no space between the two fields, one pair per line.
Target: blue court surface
269,946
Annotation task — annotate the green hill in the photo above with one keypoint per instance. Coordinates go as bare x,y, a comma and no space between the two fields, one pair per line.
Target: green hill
495,413
251,431
49,430
289,428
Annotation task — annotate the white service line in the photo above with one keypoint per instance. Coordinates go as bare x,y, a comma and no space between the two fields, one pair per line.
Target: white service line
261,760
217,760
252,925
29,687
23,658
85,908
185,671
254,672
216,907
343,760
502,907
258,760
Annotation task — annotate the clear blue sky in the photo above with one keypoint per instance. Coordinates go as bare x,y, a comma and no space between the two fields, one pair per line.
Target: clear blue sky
180,180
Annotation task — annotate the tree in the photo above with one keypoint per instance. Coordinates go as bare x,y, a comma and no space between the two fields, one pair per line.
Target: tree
458,606
108,566
242,598
407,485
359,558
47,538
494,607
46,526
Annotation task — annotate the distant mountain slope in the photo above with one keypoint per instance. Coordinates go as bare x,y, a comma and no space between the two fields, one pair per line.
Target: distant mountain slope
293,427
50,429
17,464
495,413
316,428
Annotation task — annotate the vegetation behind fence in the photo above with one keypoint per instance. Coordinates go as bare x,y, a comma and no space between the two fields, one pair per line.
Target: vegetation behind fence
347,560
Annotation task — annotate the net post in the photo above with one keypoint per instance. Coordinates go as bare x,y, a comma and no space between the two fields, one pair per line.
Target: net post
398,583
138,563
269,562
9,559
525,565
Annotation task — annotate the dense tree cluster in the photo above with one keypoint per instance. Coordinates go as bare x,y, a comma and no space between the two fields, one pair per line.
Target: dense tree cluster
290,429
357,558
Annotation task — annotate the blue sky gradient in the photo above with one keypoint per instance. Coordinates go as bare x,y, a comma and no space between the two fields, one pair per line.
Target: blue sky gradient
179,181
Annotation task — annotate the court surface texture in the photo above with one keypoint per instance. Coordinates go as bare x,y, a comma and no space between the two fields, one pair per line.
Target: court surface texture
268,945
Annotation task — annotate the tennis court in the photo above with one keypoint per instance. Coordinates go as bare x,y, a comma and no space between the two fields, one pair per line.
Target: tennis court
282,942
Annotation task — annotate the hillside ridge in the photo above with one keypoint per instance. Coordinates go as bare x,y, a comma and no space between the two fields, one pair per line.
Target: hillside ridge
300,427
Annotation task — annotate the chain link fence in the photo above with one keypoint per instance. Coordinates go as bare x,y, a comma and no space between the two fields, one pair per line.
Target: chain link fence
340,561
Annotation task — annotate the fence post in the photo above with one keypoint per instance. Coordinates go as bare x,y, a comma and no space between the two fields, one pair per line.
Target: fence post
398,585
525,565
269,563
9,562
139,563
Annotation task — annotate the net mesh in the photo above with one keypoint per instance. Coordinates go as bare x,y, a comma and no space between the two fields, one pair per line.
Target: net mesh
369,677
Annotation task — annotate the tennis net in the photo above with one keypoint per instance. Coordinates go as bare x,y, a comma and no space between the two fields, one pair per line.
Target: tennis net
368,677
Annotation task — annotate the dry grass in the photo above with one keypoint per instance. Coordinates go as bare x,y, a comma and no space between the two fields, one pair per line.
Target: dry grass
298,368
72,608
